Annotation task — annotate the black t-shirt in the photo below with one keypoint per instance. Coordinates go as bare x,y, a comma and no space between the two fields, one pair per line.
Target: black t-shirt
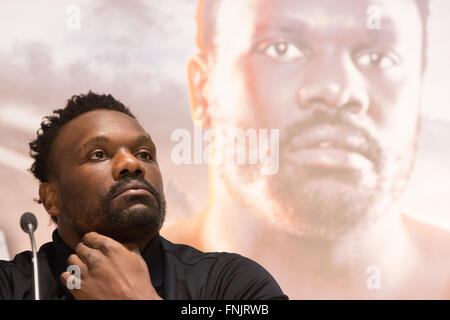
176,271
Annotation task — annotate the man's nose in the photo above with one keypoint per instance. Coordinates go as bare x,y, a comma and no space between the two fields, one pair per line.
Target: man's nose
334,83
125,163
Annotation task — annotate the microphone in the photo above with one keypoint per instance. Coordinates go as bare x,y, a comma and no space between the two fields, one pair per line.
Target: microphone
28,222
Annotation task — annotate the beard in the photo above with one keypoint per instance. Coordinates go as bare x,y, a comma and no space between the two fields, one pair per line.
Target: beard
324,202
137,217
330,203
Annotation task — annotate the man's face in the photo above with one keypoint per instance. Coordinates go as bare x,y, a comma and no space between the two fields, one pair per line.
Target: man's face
108,177
344,96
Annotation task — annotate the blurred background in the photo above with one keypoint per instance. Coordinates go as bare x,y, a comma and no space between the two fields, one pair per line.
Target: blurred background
137,51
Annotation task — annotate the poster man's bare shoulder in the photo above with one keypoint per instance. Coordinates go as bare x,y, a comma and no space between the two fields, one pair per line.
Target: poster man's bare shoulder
186,231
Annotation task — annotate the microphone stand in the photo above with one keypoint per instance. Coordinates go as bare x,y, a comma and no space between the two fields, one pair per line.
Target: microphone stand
30,232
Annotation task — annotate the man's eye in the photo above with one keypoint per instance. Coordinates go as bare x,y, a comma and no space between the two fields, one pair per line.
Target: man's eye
144,155
283,51
376,60
97,155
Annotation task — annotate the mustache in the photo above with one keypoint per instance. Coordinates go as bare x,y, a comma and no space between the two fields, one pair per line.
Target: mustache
134,178
340,129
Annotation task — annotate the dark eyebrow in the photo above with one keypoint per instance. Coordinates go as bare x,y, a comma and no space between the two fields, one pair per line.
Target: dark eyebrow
280,25
95,140
146,139
143,139
387,32
299,27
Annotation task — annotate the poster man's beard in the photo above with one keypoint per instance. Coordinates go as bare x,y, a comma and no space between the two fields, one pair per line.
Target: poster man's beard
307,200
314,204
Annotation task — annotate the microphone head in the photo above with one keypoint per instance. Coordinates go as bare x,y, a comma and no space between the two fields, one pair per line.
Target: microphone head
26,219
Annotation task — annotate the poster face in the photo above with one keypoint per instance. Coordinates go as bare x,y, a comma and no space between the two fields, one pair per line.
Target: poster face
310,136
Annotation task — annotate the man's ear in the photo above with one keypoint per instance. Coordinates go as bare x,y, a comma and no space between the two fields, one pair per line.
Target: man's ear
49,195
199,89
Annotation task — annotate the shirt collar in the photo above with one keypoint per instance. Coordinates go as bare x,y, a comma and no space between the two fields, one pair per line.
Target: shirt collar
152,254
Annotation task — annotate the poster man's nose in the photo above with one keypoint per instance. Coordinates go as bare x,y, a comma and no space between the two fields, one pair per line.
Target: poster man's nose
334,84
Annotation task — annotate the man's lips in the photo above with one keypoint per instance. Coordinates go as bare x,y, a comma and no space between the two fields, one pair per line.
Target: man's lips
330,158
330,146
133,189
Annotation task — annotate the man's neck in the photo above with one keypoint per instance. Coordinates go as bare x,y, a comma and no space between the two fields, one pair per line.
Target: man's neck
232,226
71,238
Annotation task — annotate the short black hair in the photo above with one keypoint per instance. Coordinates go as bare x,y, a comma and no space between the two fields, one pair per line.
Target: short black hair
207,12
51,126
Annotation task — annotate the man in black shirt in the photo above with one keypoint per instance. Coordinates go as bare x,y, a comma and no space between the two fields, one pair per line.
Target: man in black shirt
100,182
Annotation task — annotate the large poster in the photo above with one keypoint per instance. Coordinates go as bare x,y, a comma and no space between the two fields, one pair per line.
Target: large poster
310,136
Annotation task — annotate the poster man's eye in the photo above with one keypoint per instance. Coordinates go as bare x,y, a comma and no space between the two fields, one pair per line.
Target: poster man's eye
376,60
283,51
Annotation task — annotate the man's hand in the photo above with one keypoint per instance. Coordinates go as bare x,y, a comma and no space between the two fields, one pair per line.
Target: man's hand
109,270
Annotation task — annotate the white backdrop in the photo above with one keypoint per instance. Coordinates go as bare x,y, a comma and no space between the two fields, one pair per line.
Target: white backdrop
137,51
